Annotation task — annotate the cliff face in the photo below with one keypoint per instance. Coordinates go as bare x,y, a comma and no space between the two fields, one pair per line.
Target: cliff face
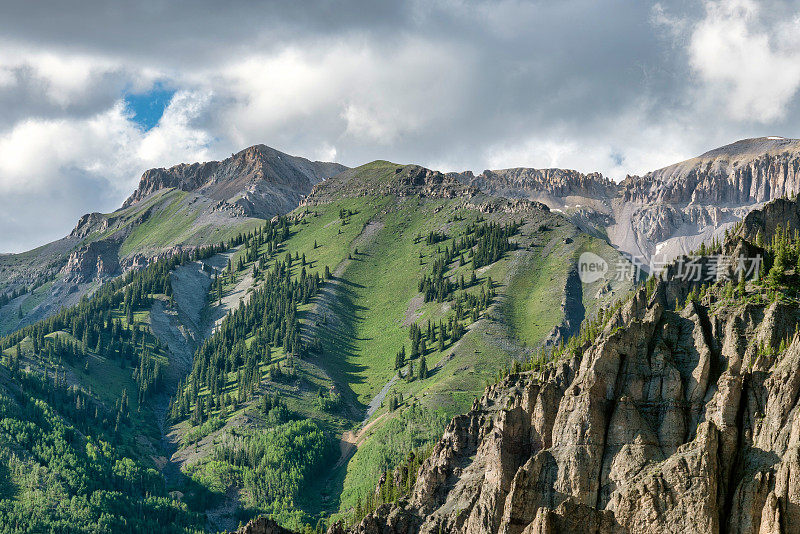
556,183
748,171
96,260
672,210
670,421
669,211
765,221
260,180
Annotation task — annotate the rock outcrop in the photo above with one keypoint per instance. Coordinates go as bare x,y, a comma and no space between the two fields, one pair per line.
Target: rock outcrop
666,212
262,525
260,181
93,261
782,212
381,178
543,183
671,420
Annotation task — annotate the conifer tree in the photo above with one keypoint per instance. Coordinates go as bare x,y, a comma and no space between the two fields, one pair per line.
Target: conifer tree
422,372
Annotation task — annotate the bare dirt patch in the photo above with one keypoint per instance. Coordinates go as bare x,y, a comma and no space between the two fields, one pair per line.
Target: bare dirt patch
412,312
352,440
230,301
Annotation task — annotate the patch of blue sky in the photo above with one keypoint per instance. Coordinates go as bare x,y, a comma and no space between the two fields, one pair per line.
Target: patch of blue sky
148,107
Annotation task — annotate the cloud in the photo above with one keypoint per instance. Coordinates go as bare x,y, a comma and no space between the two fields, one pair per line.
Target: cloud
361,91
630,144
64,167
34,152
67,77
326,153
175,138
371,123
39,83
610,85
7,78
751,62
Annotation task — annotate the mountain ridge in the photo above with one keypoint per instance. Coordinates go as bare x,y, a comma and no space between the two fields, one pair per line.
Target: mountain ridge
301,325
384,231
668,211
653,217
245,179
174,210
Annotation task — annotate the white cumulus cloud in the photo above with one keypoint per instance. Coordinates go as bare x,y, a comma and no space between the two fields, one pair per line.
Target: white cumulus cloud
754,67
57,168
619,87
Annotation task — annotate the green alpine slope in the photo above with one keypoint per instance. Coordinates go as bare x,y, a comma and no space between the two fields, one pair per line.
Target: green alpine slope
283,366
180,208
403,255
104,245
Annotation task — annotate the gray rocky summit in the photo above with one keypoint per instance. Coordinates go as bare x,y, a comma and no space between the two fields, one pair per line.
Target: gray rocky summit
666,212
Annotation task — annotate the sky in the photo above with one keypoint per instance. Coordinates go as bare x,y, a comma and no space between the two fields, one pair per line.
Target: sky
94,93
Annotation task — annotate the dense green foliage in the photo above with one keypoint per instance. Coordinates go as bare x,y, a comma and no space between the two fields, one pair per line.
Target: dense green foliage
104,324
7,297
68,459
244,340
393,484
401,444
271,466
272,463
60,472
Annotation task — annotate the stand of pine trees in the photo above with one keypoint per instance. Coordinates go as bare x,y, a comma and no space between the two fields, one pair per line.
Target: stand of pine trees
72,456
96,324
393,484
270,318
484,243
5,298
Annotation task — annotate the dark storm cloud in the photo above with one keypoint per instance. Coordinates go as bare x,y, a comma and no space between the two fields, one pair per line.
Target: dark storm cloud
615,86
189,31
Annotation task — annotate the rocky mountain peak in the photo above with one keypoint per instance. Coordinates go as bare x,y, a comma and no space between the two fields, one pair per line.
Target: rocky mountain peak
86,224
753,147
666,212
259,180
750,170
